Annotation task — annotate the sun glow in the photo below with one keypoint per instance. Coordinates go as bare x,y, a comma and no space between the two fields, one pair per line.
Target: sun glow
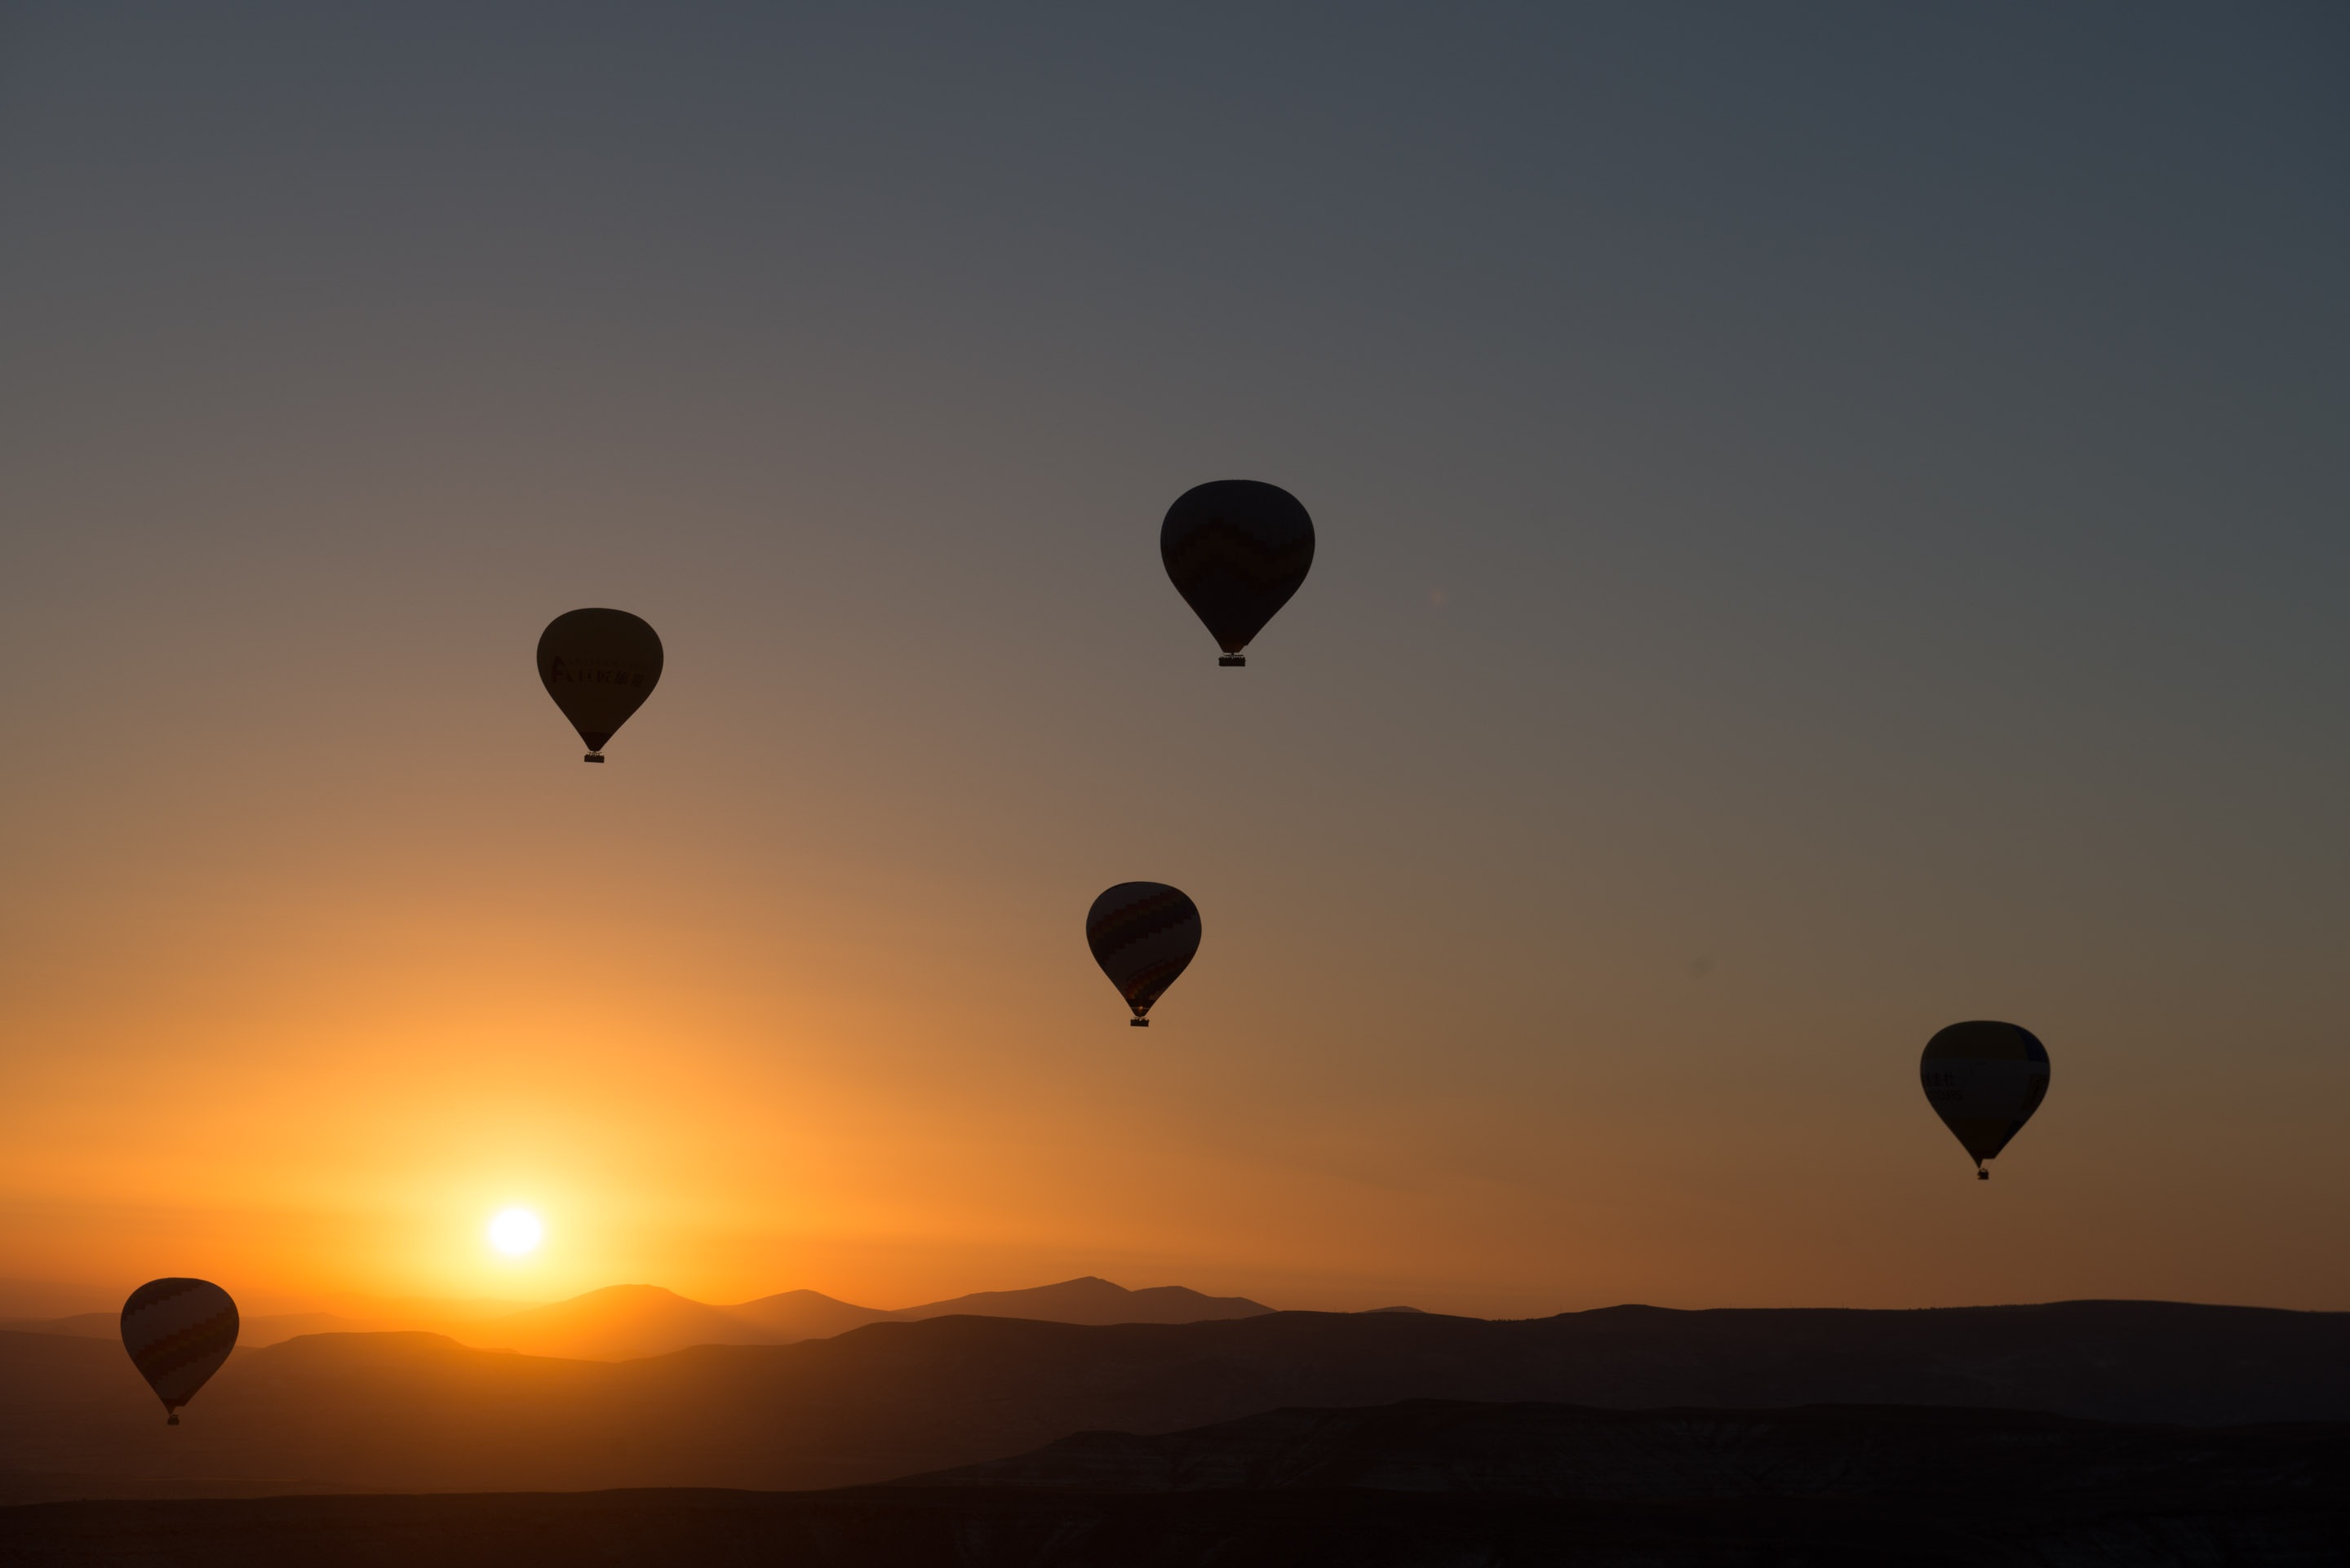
514,1231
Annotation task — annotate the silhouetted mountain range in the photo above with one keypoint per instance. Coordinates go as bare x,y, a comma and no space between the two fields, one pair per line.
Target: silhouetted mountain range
1422,1483
419,1412
622,1323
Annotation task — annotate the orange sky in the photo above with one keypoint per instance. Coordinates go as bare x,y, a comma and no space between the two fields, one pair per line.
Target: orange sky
1733,653
785,998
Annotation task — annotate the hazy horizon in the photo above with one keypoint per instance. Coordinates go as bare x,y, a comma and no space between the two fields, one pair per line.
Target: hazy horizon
95,1300
1830,523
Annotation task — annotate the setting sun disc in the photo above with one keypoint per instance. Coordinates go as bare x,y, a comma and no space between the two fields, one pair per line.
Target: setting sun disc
514,1231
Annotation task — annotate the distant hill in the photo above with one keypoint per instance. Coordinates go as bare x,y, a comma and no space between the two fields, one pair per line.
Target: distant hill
1401,1486
623,1322
795,1316
1093,1301
419,1412
618,1323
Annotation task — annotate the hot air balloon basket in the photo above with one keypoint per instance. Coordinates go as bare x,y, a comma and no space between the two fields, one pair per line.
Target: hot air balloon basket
1234,659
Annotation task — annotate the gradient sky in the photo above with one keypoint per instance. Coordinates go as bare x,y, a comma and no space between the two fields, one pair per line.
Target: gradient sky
1834,520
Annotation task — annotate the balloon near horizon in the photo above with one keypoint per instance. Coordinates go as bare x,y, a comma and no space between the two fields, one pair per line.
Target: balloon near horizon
178,1332
1984,1079
516,1231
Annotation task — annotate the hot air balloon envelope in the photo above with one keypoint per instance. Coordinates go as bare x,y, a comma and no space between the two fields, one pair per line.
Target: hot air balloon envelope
178,1333
1984,1080
1236,549
599,665
1143,934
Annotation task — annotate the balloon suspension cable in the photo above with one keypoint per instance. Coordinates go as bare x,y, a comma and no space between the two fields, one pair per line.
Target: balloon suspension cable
1234,659
593,757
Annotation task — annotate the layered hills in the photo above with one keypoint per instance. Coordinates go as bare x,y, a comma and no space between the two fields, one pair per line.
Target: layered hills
419,1412
622,1323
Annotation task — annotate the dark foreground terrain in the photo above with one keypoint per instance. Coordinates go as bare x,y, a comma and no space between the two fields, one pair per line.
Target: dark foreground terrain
1419,1483
417,1413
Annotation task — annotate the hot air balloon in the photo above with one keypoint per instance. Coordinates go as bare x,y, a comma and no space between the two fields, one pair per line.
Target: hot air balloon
1236,549
1984,1080
599,665
178,1333
1143,934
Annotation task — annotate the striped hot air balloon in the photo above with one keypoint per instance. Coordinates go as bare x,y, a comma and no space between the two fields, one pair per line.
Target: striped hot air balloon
1236,549
1984,1080
1143,934
178,1333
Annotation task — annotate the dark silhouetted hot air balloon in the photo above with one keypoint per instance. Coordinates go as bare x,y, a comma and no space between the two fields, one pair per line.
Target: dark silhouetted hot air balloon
599,665
1984,1080
178,1333
1236,549
1143,934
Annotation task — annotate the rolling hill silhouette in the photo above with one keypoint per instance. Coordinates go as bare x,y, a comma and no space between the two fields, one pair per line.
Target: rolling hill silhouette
618,1323
1091,1300
795,1316
622,1323
419,1412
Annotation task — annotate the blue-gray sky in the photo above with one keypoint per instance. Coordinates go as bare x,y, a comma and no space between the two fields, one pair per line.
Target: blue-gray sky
1832,521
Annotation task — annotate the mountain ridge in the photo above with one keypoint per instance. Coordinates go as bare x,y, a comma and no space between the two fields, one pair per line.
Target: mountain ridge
620,1322
421,1412
628,1321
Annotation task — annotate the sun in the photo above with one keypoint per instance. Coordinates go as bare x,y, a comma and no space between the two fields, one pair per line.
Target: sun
514,1231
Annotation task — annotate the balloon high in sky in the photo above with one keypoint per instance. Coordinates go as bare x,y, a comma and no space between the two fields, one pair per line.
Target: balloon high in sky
1984,1080
1236,550
178,1333
1143,934
599,665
